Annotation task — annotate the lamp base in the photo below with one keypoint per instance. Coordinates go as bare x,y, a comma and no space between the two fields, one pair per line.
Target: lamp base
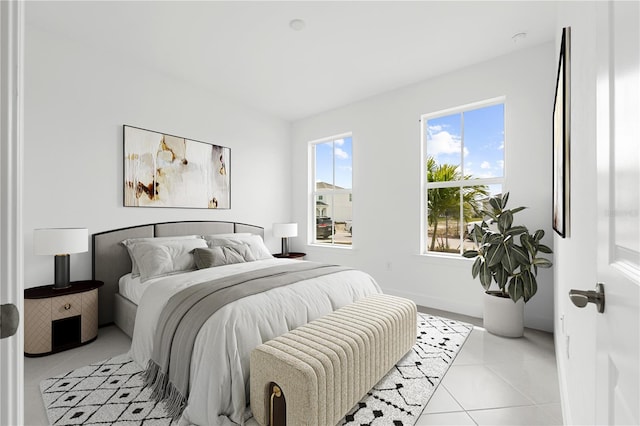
285,246
62,268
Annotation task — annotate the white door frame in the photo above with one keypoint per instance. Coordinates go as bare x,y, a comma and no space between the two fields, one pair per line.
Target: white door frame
11,235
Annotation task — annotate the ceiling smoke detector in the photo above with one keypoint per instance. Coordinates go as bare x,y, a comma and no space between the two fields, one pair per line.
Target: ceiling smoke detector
297,24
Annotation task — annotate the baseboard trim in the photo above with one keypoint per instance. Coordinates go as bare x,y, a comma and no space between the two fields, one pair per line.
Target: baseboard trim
462,308
439,303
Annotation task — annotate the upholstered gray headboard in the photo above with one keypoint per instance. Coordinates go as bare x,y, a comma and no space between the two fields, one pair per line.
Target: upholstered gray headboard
110,259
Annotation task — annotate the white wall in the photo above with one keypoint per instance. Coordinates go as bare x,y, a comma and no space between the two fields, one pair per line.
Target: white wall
386,177
78,98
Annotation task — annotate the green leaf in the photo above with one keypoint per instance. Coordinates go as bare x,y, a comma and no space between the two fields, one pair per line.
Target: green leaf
495,203
525,240
520,255
542,262
511,288
477,232
519,293
495,254
494,239
544,249
516,288
505,198
534,284
508,262
517,230
491,215
538,235
517,209
501,277
470,254
476,267
527,285
505,221
485,276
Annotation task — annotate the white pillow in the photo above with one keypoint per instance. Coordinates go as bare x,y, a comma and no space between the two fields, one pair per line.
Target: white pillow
135,271
157,259
255,243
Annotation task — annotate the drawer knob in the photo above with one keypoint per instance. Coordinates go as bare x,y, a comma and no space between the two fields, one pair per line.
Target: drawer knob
67,306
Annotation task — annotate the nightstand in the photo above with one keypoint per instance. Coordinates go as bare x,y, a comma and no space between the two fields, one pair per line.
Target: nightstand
291,255
57,320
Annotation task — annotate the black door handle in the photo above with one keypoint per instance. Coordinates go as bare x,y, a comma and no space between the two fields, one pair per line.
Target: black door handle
580,298
9,320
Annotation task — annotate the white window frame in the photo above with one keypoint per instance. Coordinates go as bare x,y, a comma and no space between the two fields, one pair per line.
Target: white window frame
425,185
326,193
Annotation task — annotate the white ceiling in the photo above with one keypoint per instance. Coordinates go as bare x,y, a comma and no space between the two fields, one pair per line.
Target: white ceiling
348,51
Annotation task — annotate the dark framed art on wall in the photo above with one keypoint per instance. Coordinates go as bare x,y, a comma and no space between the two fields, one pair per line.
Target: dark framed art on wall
562,138
162,170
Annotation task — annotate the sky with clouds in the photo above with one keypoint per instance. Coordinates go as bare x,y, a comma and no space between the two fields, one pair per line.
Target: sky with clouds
342,150
480,144
482,148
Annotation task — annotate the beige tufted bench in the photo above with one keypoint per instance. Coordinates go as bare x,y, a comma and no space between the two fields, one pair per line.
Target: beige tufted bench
315,374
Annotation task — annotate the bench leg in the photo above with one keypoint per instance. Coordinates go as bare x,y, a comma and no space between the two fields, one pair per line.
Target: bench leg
277,406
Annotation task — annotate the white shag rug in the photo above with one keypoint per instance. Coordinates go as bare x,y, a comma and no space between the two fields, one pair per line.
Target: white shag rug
111,392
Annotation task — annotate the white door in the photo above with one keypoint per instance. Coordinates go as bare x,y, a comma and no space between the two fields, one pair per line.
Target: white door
618,164
11,285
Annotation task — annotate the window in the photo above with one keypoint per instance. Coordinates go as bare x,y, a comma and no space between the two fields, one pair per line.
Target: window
330,178
463,163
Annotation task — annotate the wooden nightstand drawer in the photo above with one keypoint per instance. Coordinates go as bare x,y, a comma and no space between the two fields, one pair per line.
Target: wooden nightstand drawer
66,306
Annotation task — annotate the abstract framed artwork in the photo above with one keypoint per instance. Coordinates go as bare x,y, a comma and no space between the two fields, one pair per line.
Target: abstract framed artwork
562,137
162,170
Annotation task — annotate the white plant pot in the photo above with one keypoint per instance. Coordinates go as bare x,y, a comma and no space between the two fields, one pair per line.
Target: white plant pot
502,317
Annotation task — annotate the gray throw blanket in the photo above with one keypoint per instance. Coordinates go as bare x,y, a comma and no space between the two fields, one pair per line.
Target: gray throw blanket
181,319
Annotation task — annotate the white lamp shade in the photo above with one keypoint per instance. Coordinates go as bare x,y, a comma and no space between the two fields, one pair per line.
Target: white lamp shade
284,230
60,240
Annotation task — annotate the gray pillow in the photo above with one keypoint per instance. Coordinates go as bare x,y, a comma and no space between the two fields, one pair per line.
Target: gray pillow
255,243
155,259
222,255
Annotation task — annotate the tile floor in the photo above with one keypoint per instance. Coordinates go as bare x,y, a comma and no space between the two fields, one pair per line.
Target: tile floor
497,381
493,380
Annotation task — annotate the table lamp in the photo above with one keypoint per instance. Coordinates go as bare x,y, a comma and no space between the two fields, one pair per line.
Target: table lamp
61,242
284,231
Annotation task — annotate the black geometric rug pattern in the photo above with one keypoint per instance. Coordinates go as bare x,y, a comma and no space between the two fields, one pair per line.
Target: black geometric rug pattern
400,397
111,392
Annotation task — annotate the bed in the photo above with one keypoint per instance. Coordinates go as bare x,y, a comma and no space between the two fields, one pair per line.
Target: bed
219,368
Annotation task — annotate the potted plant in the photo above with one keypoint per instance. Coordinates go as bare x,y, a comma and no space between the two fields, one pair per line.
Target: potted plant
508,255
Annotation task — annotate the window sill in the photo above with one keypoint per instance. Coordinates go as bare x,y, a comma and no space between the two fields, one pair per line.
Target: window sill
332,246
437,258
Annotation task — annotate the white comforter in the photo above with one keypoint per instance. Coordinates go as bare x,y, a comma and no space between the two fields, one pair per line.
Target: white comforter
219,380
